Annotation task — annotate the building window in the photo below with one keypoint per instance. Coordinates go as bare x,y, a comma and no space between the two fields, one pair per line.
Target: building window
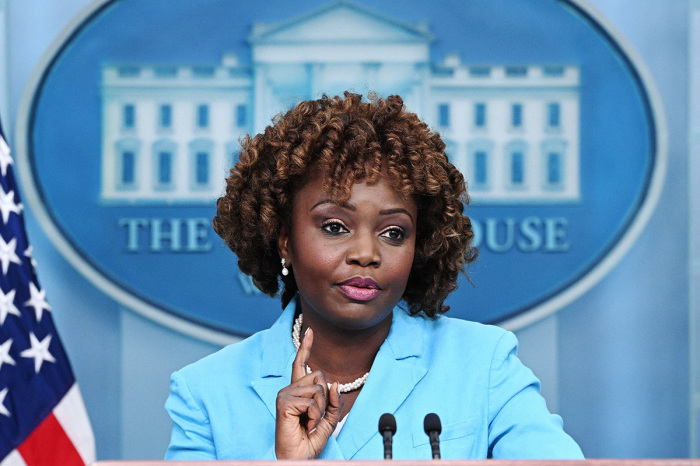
200,164
517,168
126,167
554,164
202,116
480,115
553,70
554,168
164,163
444,115
516,71
480,71
165,168
129,116
480,167
202,168
241,115
129,71
480,164
516,118
553,115
166,116
128,175
203,71
166,71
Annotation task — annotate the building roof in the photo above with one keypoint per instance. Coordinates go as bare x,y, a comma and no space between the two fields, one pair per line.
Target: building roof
338,22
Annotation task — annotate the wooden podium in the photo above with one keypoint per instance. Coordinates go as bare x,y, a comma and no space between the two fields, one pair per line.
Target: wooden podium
589,462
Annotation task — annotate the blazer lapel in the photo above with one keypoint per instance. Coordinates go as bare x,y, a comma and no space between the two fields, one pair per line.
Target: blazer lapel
396,370
277,354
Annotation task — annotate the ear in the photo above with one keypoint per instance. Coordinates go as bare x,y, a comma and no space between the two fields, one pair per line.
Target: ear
283,243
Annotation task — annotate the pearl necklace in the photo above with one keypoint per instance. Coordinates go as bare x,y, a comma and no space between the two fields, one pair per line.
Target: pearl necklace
343,387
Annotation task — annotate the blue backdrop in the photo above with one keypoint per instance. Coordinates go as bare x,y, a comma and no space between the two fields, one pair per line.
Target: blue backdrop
614,363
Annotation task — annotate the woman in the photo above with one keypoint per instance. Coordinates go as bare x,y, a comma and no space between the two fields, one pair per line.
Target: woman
355,208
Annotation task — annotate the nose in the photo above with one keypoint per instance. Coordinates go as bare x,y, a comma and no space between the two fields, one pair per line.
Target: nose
364,250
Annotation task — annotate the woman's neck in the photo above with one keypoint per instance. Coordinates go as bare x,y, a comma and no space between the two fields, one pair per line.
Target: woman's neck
343,354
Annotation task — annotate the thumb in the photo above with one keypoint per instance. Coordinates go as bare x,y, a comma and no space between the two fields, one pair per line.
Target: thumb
328,423
335,405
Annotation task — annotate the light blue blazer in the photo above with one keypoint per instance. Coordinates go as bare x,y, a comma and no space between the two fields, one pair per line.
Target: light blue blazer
223,406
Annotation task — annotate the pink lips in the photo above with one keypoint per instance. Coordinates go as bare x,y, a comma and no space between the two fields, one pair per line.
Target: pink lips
360,289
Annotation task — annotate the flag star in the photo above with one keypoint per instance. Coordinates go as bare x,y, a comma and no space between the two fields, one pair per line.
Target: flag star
5,157
3,394
29,254
5,353
8,254
8,205
7,305
39,351
37,300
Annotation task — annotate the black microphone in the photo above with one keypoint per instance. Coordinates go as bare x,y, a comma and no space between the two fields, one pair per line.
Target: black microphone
387,427
432,427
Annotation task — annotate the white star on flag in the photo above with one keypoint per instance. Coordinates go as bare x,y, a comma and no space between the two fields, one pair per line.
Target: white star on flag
5,357
5,158
8,254
29,254
48,423
39,351
7,204
3,409
7,305
37,301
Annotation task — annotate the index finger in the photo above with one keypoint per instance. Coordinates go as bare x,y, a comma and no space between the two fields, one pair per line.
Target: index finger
301,360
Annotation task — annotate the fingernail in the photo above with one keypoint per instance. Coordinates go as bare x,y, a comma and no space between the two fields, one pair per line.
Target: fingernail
307,330
337,386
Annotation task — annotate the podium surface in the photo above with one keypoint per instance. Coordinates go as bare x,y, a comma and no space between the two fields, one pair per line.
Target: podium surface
588,462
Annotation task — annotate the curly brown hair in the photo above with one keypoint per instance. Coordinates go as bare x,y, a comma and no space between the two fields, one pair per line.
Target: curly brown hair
351,140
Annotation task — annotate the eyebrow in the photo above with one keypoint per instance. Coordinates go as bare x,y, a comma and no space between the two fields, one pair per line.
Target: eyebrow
345,205
398,210
331,201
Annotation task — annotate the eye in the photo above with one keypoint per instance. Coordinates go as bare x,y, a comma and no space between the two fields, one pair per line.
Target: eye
334,227
395,234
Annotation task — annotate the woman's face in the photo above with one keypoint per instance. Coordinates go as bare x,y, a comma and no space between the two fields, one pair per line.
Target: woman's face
351,260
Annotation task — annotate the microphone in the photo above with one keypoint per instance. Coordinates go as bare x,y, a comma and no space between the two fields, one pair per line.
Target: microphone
432,427
387,427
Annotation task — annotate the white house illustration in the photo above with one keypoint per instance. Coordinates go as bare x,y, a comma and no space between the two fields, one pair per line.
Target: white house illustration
170,133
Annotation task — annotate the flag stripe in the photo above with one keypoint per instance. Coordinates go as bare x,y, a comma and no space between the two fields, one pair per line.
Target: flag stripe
40,379
13,459
71,414
49,445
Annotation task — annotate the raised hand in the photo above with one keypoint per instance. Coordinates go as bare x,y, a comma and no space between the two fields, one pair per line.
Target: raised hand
307,409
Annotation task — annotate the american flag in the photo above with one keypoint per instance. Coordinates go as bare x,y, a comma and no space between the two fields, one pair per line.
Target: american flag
42,416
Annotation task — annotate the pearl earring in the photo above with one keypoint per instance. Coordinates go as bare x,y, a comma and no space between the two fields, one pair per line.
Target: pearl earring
285,270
